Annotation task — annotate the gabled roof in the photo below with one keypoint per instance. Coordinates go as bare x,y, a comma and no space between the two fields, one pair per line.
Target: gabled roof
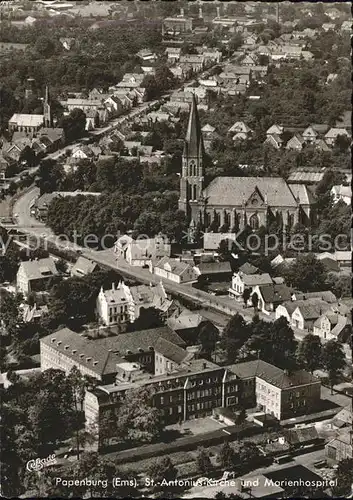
298,436
177,267
84,266
27,120
234,190
139,341
83,351
248,268
273,294
256,279
312,308
171,351
214,267
271,374
39,268
302,193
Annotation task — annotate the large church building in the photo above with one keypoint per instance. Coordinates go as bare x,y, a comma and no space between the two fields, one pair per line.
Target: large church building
236,202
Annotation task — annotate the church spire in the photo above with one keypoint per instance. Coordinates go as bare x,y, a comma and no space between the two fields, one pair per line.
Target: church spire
193,146
47,109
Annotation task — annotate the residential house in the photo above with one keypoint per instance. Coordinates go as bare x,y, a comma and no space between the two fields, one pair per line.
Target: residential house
275,130
35,275
321,145
333,133
195,61
131,81
146,55
187,324
271,296
250,39
211,55
214,271
274,141
346,26
114,105
33,313
175,270
208,132
295,143
241,281
25,122
343,418
122,304
340,447
240,127
173,54
249,61
83,267
302,314
127,99
333,326
142,252
82,152
328,26
67,43
343,193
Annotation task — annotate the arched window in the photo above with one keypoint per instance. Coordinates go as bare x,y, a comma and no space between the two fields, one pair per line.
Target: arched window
254,221
192,169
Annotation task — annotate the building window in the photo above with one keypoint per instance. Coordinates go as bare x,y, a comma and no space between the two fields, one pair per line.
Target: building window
180,409
162,400
254,222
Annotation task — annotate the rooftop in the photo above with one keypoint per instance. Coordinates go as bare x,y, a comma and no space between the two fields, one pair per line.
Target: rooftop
272,375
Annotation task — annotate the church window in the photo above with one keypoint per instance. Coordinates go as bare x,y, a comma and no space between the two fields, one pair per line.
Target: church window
254,221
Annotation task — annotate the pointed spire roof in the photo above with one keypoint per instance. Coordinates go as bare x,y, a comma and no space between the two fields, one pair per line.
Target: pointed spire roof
193,141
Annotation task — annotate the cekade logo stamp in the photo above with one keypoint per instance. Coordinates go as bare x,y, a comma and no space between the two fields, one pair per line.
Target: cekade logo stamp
39,463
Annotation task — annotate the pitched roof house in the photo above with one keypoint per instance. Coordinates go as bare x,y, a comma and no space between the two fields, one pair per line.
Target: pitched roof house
33,275
175,270
296,142
270,296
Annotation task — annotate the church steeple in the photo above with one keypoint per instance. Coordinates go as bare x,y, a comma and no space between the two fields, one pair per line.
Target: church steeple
193,145
47,109
192,177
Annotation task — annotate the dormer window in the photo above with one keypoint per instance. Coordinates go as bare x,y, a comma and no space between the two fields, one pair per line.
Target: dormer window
81,356
66,347
74,351
59,342
88,359
53,340
95,363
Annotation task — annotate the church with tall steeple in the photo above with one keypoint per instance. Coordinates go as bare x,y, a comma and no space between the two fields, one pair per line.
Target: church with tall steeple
229,204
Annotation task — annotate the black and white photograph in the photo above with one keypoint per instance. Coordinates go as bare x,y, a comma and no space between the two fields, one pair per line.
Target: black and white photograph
175,249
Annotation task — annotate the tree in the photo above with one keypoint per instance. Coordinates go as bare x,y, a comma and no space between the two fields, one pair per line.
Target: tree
227,456
249,454
74,125
61,266
148,318
203,461
208,337
309,353
241,417
162,471
28,156
307,273
255,300
235,334
246,296
333,359
344,478
45,46
137,419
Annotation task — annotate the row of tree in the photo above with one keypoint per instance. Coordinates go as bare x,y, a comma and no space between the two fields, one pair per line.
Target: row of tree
275,343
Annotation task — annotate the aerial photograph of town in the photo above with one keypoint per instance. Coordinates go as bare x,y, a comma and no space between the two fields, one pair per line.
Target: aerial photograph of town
175,249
